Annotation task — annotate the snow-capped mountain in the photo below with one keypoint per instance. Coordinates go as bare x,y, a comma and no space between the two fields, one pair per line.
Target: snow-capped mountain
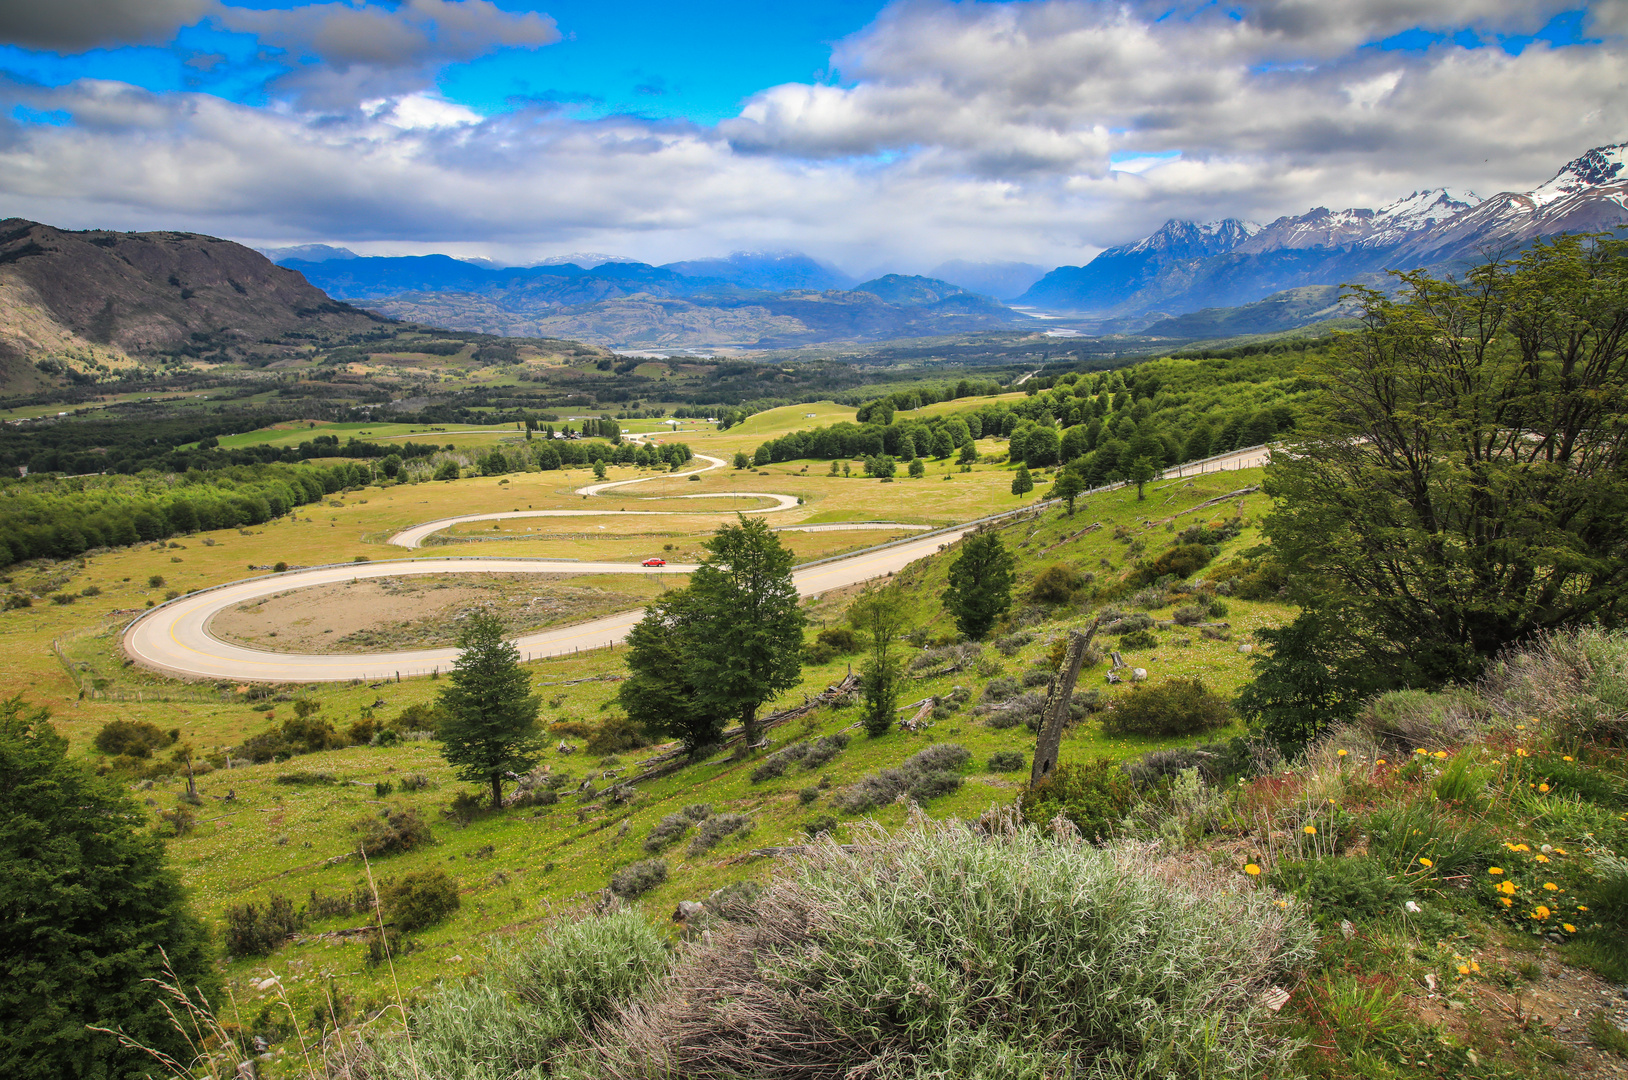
1186,265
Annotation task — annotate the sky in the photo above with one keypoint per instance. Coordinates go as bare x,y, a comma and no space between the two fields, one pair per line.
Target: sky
871,135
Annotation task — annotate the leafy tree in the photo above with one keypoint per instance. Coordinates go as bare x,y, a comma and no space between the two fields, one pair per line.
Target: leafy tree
490,715
881,614
741,460
1460,479
980,584
660,693
1022,483
1068,487
86,905
943,443
917,468
599,469
447,470
968,455
1312,675
753,643
1139,472
763,455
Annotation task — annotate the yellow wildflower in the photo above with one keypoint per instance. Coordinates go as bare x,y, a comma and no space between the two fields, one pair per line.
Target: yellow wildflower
1381,761
1508,888
1495,870
1543,788
1251,869
1560,851
1342,753
1506,901
1541,858
1565,757
1475,967
1540,912
1426,863
1580,907
1421,750
1568,927
1551,886
1310,830
1464,969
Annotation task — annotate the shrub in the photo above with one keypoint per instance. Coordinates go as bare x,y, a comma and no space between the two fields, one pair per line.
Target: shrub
1000,689
419,899
1183,560
1011,643
63,598
817,827
381,788
1578,679
668,830
1218,610
808,795
1056,584
1216,762
253,930
1174,706
420,717
954,657
1342,887
1037,676
1188,615
465,807
614,735
1423,718
15,601
924,775
1007,761
91,590
416,782
716,829
808,755
1093,795
396,832
1138,639
132,738
303,779
1399,835
1123,624
638,878
839,639
156,581
1122,971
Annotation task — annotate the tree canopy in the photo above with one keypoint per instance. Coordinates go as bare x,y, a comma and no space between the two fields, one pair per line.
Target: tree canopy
491,715
1460,478
980,584
86,904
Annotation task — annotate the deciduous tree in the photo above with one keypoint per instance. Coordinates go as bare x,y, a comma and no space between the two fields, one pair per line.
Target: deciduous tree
882,615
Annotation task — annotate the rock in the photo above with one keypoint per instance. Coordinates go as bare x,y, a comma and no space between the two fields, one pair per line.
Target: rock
565,748
1139,674
688,909
1348,931
1246,648
266,984
1274,997
261,1045
456,959
1430,978
1412,908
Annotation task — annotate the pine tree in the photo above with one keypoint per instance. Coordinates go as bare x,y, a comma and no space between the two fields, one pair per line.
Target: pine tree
980,584
1022,483
491,716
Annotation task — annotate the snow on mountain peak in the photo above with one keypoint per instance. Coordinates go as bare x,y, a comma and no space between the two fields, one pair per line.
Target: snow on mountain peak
1601,165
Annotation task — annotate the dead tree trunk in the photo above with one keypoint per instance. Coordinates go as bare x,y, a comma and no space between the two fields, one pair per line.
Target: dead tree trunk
1055,714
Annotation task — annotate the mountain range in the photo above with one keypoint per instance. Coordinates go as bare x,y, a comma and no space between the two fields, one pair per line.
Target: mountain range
1187,265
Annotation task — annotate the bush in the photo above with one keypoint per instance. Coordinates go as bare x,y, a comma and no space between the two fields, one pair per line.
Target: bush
1216,762
1093,795
465,807
808,755
1340,887
716,829
1399,835
1000,689
638,878
1218,610
419,899
1122,971
1056,584
1183,560
1037,676
1007,761
253,930
398,831
1124,624
817,827
63,598
1422,718
306,779
808,795
614,735
132,738
1578,679
1138,639
1188,615
924,775
156,581
1175,706
668,830
839,639
1011,643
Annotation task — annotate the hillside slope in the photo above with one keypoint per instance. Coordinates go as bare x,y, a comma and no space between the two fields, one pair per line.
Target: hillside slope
100,297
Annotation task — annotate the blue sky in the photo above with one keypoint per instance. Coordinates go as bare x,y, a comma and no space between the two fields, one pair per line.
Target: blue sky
866,133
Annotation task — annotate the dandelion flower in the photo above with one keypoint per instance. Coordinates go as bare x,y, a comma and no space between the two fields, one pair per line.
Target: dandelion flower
1464,969
1251,869
1342,753
1565,757
1475,967
1441,754
1421,750
1551,886
1541,858
1310,830
1560,851
1283,904
1506,901
1543,788
1508,888
1520,847
1426,863
1495,870
1580,907
1381,761
1568,927
1540,912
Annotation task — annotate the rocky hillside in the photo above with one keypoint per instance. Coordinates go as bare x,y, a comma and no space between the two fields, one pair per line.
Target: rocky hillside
78,300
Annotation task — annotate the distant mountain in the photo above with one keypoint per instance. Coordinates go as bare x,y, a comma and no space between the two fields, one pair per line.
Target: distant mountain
113,296
377,277
1188,266
308,253
1281,311
1002,280
774,271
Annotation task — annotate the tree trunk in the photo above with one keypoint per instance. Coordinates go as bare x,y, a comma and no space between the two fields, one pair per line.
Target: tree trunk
497,791
1055,713
749,725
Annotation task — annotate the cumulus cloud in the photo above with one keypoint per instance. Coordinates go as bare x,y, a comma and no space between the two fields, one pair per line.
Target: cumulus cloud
80,25
1038,130
409,35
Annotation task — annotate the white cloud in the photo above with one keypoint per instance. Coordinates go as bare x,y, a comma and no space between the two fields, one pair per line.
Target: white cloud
1035,131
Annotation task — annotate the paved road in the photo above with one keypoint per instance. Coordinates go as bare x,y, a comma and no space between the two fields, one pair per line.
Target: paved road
174,638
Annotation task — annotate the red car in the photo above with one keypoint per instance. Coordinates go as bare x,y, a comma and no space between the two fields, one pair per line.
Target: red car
655,562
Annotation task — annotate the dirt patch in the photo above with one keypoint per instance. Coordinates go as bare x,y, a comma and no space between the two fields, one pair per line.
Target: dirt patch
422,612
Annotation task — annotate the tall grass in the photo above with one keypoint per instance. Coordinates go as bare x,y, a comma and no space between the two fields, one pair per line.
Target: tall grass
947,952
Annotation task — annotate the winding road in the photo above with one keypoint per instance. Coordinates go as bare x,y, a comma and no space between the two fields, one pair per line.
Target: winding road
174,638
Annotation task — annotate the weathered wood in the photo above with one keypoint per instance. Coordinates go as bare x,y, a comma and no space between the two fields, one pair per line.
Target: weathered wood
1055,713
